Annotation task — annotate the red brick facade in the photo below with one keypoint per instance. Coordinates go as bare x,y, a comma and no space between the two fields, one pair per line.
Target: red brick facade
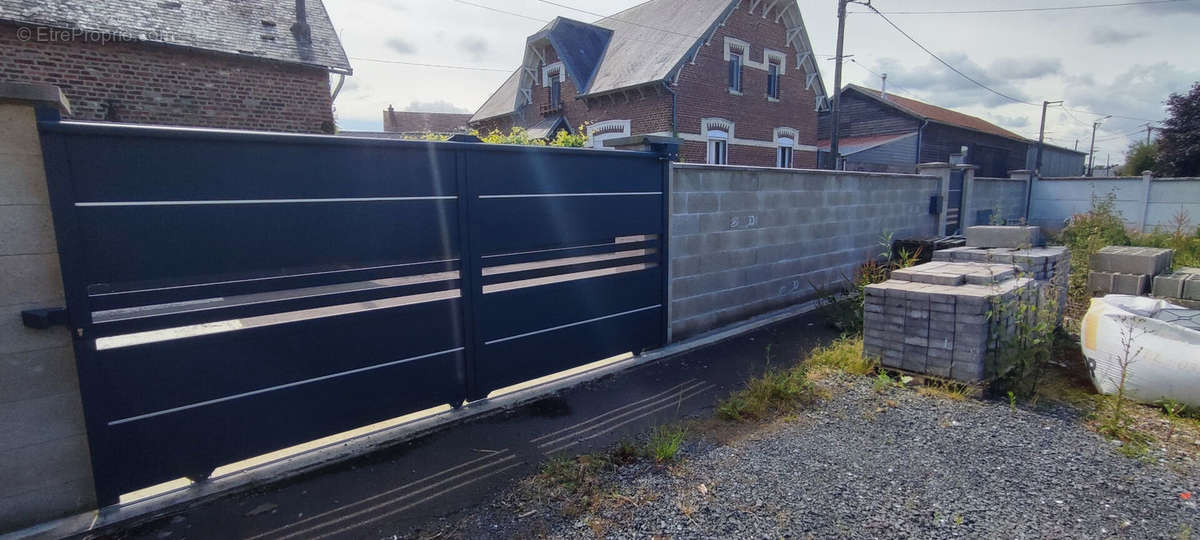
703,92
159,84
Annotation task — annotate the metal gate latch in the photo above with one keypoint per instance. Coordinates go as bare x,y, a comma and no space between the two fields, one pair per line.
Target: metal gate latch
44,318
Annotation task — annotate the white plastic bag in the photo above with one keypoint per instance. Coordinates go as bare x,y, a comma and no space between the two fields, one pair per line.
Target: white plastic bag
1163,358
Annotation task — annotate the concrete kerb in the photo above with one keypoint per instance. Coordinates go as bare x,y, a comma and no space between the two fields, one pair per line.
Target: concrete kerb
106,519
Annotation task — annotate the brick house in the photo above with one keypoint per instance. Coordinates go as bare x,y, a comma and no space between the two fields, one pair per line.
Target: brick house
420,123
244,64
735,79
884,132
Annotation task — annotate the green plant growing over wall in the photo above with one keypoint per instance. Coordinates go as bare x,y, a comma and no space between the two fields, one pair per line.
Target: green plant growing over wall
521,136
1177,235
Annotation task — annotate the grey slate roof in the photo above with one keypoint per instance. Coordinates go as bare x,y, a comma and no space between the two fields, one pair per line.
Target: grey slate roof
640,51
252,28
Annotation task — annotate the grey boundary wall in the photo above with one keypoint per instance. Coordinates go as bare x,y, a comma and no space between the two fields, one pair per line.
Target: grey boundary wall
749,240
45,468
1145,202
1006,194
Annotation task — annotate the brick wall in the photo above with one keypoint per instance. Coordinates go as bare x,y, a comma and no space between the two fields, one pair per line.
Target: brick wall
703,92
746,240
158,84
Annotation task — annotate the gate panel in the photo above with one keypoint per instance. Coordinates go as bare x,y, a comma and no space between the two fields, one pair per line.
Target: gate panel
571,261
954,202
233,294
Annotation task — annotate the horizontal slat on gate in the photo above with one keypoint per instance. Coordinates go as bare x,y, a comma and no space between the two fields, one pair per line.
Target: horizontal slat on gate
106,297
163,375
549,222
503,315
534,170
197,440
148,318
145,243
625,243
513,361
125,165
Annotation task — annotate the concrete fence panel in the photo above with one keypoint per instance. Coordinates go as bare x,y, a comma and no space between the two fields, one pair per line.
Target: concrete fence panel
44,459
1005,195
1173,198
749,240
1057,199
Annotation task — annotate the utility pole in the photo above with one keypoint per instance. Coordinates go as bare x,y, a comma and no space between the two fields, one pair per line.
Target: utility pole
1037,165
1148,129
1092,152
837,86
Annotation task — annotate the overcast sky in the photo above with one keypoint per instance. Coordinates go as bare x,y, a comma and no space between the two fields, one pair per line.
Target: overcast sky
1116,60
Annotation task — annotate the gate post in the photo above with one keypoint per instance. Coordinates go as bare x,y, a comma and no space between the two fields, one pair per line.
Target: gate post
942,171
44,456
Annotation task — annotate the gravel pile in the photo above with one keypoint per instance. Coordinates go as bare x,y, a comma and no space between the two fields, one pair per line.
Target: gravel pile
866,465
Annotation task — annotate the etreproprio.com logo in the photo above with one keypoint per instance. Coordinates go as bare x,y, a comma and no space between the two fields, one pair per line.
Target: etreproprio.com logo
62,35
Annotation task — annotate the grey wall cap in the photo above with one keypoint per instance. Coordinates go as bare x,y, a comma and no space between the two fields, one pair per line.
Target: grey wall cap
42,94
642,139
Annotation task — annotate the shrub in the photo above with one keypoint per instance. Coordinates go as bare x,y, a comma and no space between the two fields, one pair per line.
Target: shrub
1086,234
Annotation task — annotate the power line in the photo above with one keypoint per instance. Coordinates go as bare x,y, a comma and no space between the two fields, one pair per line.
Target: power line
419,64
945,63
1024,10
497,10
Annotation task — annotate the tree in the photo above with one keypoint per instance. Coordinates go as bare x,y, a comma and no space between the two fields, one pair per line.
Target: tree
1179,141
1141,156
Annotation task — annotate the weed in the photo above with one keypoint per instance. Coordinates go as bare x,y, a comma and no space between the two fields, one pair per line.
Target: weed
776,391
1185,532
665,443
844,355
846,311
1172,409
625,453
882,382
1012,401
945,389
958,519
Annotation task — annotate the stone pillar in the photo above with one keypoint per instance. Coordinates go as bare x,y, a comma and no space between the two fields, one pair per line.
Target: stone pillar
1029,177
943,171
44,460
1147,179
967,212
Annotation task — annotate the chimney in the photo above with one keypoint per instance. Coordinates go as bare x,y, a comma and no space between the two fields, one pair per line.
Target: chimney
301,29
883,92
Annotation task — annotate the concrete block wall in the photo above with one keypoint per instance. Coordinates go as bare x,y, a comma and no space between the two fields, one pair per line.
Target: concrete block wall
1144,202
1007,194
749,240
45,469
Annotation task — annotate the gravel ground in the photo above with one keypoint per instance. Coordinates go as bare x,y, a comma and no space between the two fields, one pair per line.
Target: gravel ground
865,465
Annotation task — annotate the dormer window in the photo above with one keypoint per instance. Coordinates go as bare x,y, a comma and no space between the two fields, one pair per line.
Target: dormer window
555,92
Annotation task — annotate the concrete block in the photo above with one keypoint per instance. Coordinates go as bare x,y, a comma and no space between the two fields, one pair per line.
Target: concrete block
38,373
998,236
701,202
1134,284
43,465
43,504
1169,285
1132,260
1191,289
39,420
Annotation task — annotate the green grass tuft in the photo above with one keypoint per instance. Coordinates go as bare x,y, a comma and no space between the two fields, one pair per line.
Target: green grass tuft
665,443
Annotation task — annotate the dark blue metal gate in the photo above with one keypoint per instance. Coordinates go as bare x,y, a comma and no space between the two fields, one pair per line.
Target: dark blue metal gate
954,202
237,293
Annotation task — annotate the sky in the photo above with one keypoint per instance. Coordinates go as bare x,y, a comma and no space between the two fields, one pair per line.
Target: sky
1122,60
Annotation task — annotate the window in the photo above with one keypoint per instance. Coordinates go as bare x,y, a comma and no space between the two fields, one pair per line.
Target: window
718,147
773,80
609,129
783,157
735,72
555,92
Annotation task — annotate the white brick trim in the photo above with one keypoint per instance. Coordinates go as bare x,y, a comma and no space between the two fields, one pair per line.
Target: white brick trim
768,56
562,73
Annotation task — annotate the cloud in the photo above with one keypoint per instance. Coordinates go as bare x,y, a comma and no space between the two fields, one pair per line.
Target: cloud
1024,68
1108,35
439,106
401,46
475,48
1011,122
945,88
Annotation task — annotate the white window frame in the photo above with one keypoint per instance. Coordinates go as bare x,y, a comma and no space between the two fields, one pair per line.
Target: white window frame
718,133
608,129
550,68
785,137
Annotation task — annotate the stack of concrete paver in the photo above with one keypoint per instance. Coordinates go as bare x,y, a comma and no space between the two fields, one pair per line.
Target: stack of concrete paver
1126,270
1049,266
1183,283
934,318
